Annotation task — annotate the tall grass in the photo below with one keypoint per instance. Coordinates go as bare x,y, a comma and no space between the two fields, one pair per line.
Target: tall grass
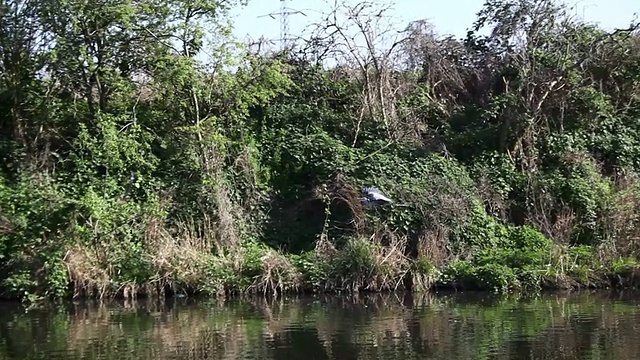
192,258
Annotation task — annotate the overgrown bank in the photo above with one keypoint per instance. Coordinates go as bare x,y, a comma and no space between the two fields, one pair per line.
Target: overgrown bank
130,167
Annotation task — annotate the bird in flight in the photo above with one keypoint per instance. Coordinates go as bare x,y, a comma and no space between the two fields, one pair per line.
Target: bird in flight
374,197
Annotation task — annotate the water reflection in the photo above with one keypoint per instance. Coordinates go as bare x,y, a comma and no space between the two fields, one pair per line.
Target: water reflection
389,326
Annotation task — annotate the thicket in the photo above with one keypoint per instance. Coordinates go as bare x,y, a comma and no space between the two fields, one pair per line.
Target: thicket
130,166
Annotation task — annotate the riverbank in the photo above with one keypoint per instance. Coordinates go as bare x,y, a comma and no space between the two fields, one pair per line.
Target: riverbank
360,266
133,166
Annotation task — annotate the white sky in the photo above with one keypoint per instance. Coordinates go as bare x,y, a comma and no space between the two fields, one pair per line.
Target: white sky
448,16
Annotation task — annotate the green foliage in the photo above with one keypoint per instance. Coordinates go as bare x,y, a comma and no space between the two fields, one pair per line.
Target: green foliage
35,216
128,163
621,266
313,270
503,256
433,190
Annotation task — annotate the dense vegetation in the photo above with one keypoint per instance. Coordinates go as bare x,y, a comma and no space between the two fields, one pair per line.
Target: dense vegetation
129,166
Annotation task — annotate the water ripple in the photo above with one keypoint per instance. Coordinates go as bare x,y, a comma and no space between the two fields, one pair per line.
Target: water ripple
585,325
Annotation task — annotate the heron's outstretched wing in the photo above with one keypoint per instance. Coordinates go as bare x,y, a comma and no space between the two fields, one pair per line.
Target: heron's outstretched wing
380,197
370,190
375,194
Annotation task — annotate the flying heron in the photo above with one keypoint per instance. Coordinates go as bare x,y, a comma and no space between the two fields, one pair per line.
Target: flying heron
374,197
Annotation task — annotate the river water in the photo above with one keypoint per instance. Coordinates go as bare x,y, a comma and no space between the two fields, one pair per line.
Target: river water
584,325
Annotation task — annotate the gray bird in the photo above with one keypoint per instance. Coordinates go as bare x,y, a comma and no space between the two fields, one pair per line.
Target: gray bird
374,197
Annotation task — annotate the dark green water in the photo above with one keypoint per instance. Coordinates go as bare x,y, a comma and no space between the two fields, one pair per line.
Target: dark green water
450,326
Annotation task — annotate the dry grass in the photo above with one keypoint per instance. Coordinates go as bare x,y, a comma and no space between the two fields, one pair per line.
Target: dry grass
180,261
324,249
563,265
341,192
368,265
87,272
228,223
432,255
493,201
432,245
6,226
278,275
175,261
563,227
559,227
621,221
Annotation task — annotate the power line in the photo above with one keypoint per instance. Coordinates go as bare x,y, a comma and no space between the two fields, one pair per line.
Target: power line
284,13
284,24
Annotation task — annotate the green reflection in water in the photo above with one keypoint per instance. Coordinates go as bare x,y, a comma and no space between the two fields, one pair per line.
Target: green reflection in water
585,325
